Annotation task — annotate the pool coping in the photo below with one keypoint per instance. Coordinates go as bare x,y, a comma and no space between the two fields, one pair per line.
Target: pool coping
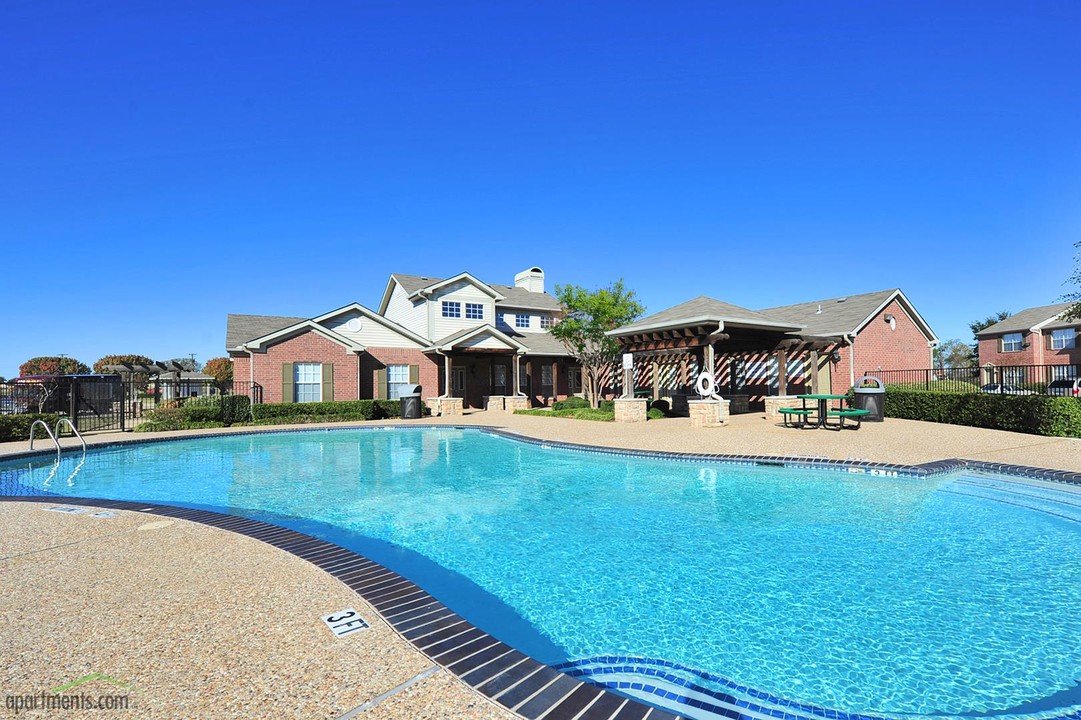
509,677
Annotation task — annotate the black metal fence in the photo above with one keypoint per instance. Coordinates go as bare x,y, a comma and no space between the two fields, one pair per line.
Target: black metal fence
1005,379
109,402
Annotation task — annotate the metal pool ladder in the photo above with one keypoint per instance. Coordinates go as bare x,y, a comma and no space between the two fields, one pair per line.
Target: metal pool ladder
53,434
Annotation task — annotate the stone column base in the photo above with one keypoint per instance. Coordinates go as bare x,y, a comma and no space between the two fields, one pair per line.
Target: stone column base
516,402
493,402
630,410
776,402
446,406
706,413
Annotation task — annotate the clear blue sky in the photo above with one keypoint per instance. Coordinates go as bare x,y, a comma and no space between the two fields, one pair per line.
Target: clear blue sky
164,164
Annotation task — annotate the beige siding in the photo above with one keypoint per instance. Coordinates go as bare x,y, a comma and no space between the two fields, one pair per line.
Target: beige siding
371,334
485,341
534,320
407,313
461,292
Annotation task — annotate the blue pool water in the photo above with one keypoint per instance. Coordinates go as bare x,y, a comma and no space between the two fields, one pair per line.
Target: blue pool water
956,595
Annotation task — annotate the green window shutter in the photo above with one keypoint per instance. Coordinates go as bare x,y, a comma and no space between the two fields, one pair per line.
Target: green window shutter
328,381
414,374
380,388
287,382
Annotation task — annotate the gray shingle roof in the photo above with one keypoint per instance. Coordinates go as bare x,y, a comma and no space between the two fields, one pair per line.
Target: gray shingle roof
832,316
1022,321
239,329
516,297
707,308
535,343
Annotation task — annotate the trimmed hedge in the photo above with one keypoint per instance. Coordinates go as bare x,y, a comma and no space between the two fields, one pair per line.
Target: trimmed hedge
577,413
570,403
330,411
1032,414
17,427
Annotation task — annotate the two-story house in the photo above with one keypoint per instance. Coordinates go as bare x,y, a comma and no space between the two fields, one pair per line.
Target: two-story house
456,337
1034,336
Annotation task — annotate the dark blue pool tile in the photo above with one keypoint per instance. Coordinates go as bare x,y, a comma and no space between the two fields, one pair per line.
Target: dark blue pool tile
605,707
573,704
423,615
632,711
520,692
437,645
483,673
543,701
509,677
476,660
435,625
469,649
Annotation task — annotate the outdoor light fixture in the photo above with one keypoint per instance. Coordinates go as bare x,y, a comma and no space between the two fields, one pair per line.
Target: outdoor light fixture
888,318
835,356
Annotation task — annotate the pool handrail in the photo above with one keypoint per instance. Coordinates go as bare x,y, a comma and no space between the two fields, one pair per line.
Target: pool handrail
47,432
56,432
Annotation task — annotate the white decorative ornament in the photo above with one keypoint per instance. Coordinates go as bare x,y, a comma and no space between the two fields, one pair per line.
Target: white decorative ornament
354,325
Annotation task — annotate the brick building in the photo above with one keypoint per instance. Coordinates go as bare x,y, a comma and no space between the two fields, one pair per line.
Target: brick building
1034,336
457,337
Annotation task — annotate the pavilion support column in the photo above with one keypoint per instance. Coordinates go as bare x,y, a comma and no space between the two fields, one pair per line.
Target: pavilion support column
446,374
517,375
655,369
555,379
684,378
782,372
814,372
711,361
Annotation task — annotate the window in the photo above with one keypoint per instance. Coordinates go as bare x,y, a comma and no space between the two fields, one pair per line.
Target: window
308,382
452,309
397,379
546,377
521,321
1011,342
1063,339
547,321
500,320
474,311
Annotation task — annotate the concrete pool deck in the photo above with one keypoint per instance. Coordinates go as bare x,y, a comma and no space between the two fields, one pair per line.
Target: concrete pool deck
203,622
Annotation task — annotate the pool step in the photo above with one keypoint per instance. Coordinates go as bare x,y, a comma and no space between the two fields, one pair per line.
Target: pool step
691,693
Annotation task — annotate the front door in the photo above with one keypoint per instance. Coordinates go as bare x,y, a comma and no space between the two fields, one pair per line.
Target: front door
457,379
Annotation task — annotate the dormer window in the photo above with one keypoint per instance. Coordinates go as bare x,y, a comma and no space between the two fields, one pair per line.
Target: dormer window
452,309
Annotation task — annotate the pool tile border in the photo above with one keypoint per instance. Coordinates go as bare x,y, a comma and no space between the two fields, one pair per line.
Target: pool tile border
527,687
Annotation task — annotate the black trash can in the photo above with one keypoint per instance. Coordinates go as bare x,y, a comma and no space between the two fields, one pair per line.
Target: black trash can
870,396
410,402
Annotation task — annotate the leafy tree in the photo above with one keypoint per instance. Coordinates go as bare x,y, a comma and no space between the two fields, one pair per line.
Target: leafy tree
586,317
953,354
102,365
187,363
1074,311
979,325
52,365
221,369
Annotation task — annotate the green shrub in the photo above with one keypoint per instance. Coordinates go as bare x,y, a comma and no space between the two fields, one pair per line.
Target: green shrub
329,411
570,403
17,427
1032,414
607,405
656,414
235,408
580,413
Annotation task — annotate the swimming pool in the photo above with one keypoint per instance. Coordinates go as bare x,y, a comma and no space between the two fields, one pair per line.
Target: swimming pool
816,590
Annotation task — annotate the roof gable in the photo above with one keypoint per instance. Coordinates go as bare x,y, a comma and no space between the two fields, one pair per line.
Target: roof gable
703,309
1031,318
375,317
261,343
462,337
846,315
239,329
